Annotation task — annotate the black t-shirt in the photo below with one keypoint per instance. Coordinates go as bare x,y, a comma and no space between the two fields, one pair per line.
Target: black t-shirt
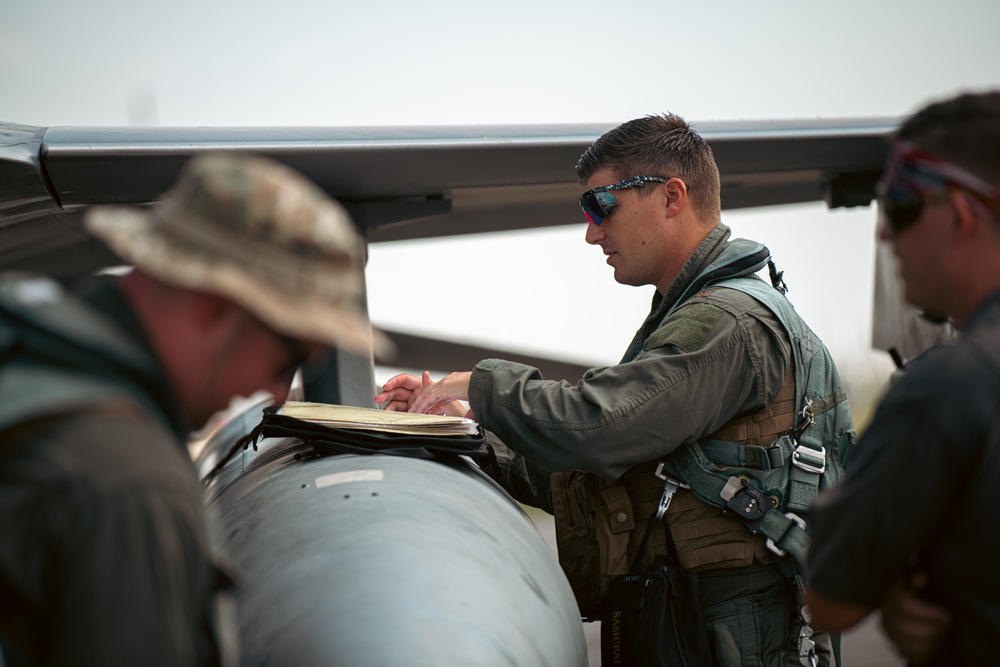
922,484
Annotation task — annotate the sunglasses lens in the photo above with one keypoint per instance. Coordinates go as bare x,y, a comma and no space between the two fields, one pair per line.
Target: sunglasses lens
901,208
597,206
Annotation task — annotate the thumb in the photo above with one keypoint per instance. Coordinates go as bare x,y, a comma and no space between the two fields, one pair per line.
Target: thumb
426,378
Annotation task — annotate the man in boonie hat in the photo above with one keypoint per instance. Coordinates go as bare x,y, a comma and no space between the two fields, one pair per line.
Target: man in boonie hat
242,272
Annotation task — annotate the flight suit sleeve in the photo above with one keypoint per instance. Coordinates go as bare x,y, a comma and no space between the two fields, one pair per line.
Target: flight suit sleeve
702,367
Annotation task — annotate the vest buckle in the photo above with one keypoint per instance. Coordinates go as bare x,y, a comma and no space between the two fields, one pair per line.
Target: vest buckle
670,487
796,520
748,504
810,459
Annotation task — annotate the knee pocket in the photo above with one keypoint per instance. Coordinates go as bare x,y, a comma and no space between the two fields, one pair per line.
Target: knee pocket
732,633
750,631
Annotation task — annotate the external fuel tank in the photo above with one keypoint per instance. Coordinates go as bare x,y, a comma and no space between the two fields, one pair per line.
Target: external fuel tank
376,561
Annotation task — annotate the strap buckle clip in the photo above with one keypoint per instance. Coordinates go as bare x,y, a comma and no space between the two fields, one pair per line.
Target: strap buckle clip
805,457
797,520
746,503
670,487
807,647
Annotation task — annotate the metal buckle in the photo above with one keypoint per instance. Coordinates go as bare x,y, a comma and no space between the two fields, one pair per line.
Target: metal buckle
670,487
746,503
798,462
805,422
807,647
796,519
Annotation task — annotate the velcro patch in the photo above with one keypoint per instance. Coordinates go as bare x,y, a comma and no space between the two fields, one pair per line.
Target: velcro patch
686,328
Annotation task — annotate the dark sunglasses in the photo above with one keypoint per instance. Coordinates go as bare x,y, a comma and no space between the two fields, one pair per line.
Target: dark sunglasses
598,202
901,206
913,179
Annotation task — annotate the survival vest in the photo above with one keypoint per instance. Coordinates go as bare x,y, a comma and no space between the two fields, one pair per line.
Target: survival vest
769,466
56,356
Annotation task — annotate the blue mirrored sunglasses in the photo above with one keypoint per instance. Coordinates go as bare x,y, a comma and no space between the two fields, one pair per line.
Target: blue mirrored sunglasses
598,202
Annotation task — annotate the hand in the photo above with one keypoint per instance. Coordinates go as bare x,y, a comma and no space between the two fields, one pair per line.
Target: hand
438,396
401,391
398,393
917,627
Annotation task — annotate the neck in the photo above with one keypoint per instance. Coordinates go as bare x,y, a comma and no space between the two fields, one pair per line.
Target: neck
693,233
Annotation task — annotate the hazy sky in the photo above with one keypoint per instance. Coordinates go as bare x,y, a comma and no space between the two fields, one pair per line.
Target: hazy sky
449,62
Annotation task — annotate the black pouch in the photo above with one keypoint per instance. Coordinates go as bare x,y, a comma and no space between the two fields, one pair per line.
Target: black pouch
331,440
653,618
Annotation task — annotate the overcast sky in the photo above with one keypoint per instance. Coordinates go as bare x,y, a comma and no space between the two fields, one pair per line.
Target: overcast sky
463,62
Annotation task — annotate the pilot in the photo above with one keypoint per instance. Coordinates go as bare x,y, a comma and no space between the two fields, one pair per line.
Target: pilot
724,398
916,511
242,272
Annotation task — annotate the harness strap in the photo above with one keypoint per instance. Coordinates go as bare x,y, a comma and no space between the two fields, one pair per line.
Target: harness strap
788,535
739,455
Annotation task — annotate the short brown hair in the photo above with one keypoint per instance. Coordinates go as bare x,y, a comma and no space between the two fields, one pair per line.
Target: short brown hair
665,146
964,130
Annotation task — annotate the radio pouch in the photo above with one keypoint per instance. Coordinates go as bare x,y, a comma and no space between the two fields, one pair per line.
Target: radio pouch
653,617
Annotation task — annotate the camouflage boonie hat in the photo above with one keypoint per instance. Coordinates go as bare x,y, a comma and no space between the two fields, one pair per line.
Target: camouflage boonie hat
259,233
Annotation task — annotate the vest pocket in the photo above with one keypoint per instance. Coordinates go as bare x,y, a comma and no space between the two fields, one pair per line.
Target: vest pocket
707,539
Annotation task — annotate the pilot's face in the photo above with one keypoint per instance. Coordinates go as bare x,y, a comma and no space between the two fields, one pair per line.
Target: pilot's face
629,235
920,249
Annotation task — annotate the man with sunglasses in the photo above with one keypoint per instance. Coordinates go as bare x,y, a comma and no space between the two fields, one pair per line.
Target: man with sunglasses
713,366
916,514
242,272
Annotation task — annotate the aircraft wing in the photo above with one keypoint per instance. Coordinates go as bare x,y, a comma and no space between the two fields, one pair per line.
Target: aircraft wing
401,182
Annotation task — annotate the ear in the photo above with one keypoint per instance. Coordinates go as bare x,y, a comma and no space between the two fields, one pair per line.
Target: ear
967,223
676,195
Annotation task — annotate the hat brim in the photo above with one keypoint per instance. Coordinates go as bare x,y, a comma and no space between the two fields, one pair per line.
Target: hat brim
134,235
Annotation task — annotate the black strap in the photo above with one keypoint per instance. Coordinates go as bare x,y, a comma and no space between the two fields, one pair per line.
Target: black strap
673,558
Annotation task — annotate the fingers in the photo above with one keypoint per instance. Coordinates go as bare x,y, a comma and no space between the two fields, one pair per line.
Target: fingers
455,409
404,380
396,406
917,627
432,397
429,400
436,396
406,392
393,395
398,392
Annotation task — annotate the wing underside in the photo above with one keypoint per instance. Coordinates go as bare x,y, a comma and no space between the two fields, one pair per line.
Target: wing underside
401,183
